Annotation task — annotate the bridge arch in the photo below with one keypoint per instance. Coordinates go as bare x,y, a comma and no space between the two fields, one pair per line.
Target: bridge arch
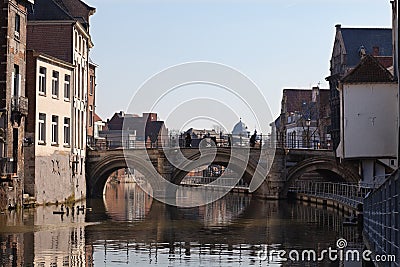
224,158
101,170
323,165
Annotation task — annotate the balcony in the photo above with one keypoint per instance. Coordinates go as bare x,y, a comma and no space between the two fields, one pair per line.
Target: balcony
19,104
7,168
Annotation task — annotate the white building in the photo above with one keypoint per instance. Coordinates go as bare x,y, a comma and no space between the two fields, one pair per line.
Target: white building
48,157
82,44
369,113
60,28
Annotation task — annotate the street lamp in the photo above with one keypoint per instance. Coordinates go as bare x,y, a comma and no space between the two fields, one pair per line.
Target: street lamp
308,124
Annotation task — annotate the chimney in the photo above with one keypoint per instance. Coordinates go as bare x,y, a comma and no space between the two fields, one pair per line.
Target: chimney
375,51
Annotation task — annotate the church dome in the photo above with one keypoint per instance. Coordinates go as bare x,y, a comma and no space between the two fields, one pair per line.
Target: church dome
240,129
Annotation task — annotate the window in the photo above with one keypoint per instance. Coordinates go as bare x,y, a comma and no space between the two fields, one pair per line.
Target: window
55,83
67,132
42,128
91,86
42,81
67,87
17,26
76,40
54,130
16,81
78,94
90,116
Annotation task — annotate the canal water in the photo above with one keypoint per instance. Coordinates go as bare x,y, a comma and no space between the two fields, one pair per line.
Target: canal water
131,229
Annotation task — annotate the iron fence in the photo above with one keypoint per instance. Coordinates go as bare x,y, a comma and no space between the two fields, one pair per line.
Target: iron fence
345,193
312,142
164,141
382,219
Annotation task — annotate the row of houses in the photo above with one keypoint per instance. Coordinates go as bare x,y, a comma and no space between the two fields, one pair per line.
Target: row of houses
47,86
357,116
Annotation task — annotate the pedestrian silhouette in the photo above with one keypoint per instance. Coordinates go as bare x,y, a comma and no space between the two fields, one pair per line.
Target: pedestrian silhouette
253,139
188,140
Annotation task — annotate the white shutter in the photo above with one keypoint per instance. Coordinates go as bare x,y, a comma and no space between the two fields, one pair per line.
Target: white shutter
12,84
19,85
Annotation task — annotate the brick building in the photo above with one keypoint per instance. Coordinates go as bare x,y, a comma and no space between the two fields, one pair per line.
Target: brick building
349,46
135,131
59,29
13,103
304,118
91,103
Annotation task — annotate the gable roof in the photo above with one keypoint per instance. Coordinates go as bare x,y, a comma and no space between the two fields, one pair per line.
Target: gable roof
61,10
296,97
354,38
48,10
96,117
369,70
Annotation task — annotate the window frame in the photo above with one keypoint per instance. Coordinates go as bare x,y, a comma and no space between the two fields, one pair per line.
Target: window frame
17,26
42,129
67,87
55,84
54,130
42,80
67,132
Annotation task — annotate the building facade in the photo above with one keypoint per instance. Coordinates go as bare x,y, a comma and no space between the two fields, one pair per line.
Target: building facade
134,131
91,103
60,29
304,118
13,103
48,129
349,45
369,114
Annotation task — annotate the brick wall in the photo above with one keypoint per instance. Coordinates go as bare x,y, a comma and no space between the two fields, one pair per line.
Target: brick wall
31,91
52,39
91,100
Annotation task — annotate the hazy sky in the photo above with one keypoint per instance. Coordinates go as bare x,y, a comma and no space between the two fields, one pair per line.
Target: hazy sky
277,44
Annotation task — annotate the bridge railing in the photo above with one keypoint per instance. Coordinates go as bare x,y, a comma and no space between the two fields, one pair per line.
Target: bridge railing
346,193
313,142
117,142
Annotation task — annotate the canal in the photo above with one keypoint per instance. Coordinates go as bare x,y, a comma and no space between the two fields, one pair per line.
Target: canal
131,229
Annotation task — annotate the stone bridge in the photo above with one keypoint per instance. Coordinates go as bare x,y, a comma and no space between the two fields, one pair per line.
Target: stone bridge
285,166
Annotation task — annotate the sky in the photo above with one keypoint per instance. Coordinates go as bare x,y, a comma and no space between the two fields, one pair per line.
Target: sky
276,44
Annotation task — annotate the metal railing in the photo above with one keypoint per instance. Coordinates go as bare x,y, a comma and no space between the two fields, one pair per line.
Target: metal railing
223,182
107,142
382,219
345,193
312,142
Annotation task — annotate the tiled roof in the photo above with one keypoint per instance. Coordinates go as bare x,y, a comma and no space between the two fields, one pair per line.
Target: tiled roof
296,97
48,10
354,38
385,61
61,10
368,71
96,117
153,129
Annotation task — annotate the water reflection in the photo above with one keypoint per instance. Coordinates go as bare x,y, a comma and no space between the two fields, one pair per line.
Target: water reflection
40,238
131,229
